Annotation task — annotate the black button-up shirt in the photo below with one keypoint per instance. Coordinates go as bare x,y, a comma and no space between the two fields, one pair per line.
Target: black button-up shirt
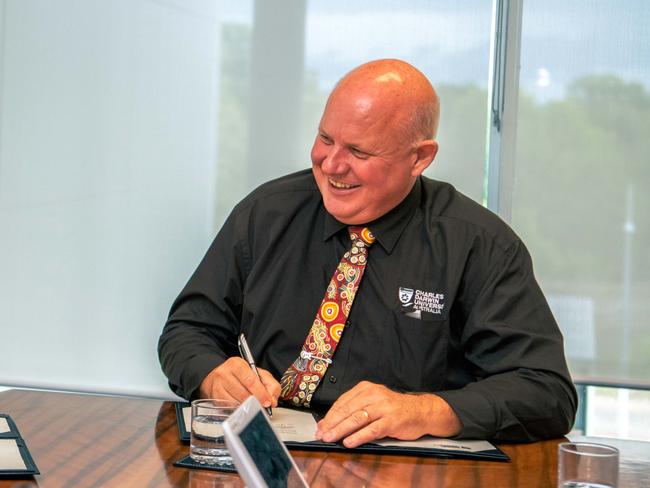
448,304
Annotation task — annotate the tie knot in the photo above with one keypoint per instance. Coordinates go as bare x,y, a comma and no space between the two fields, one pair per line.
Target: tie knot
361,236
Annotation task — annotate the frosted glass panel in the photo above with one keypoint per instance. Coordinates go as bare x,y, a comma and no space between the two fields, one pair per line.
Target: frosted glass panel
106,161
581,197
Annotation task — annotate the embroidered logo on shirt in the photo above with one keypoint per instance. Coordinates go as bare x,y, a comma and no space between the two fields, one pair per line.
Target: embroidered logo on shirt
405,295
414,302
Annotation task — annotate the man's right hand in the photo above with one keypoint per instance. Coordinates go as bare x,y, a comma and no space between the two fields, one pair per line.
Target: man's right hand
234,379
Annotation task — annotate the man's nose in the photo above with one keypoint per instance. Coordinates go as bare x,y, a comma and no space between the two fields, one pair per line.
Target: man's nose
335,162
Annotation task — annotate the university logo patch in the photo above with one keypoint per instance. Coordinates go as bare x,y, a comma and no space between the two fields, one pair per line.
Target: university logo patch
405,295
420,300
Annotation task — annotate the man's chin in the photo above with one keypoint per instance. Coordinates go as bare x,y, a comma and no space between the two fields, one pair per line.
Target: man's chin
345,215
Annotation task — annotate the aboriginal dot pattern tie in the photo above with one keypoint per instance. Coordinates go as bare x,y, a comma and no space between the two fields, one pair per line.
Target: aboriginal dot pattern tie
300,380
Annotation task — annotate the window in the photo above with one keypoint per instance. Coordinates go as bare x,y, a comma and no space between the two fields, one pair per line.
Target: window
581,182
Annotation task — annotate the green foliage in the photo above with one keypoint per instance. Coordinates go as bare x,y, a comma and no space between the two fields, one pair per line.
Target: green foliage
576,160
461,157
582,171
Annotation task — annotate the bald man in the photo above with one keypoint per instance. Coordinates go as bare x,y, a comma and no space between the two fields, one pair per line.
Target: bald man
446,332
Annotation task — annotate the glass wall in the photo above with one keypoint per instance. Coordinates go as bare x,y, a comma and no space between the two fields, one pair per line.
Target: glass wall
581,195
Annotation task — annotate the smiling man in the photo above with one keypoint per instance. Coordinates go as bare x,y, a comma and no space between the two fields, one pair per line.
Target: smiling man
366,290
373,141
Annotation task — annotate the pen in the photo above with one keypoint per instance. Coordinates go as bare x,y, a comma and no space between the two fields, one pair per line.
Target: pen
248,357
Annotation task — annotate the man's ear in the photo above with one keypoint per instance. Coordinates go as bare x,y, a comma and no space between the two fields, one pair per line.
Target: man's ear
425,153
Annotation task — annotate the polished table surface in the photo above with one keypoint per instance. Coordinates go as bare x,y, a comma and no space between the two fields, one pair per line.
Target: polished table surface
87,440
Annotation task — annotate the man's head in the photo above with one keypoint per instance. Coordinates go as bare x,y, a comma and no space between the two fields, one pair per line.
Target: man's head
375,138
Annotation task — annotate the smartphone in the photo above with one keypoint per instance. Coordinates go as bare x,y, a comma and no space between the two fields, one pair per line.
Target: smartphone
262,460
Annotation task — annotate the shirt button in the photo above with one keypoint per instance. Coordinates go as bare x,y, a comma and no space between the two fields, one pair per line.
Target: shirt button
348,323
332,378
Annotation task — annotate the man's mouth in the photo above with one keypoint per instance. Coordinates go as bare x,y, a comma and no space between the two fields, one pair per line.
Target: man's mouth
342,186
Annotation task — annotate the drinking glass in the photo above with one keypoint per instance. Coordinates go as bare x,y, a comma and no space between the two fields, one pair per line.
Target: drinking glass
207,443
587,465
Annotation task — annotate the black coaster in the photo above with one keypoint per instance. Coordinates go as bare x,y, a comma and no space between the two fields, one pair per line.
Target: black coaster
188,462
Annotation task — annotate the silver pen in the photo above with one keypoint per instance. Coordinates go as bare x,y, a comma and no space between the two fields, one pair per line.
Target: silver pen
245,352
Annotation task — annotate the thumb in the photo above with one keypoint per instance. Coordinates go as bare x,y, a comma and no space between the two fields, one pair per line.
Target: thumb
271,385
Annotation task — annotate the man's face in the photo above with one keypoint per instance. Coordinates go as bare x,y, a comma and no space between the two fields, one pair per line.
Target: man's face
362,158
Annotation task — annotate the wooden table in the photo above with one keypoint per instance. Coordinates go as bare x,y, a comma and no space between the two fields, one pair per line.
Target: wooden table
89,440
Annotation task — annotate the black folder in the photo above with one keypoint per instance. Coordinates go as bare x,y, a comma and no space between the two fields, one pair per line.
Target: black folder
492,454
12,441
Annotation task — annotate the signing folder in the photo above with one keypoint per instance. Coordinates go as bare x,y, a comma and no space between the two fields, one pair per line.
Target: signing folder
296,428
15,459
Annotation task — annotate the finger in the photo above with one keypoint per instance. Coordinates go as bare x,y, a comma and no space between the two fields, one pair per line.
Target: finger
341,409
353,400
370,432
353,423
251,383
235,379
214,389
337,413
217,391
228,384
271,384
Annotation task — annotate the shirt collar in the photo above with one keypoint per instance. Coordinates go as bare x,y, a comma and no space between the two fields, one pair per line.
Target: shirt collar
388,228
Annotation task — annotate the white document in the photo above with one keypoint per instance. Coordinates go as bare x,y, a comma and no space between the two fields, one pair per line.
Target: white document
428,442
4,426
10,457
294,425
187,418
291,425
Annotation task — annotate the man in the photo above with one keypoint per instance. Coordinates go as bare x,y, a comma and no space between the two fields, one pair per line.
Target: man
445,330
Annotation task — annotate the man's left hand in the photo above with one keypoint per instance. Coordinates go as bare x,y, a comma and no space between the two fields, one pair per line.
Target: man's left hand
370,411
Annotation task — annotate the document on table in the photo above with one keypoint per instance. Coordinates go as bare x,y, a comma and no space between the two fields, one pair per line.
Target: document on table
294,425
15,459
291,425
297,428
428,442
10,457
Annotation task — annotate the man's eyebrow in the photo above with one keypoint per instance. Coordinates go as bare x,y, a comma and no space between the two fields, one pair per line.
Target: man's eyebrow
356,148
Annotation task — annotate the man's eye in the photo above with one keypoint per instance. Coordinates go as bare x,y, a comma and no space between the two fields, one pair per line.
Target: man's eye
325,139
358,153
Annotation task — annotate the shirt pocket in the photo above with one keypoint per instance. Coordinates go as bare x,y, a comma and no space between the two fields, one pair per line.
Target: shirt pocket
415,351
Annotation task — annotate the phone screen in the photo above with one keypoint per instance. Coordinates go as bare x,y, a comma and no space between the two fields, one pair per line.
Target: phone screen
267,453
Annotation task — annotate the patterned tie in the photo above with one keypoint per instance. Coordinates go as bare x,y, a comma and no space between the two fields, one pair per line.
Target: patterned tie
300,380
